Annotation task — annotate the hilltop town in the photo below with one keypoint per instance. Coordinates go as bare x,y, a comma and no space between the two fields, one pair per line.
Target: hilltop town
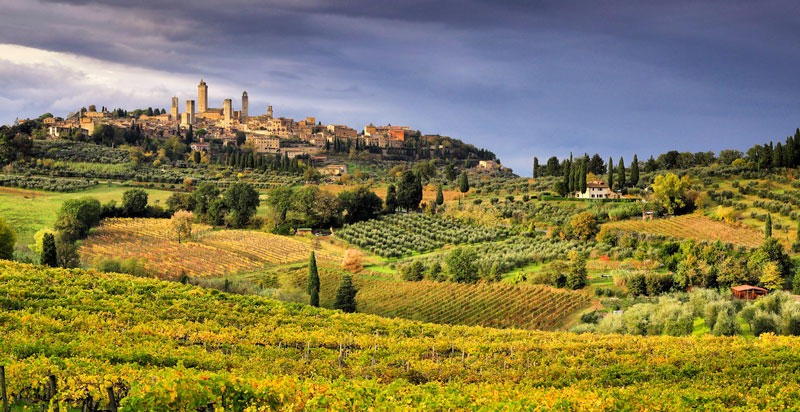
265,133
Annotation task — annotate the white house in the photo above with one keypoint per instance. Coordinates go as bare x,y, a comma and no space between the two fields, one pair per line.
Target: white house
597,190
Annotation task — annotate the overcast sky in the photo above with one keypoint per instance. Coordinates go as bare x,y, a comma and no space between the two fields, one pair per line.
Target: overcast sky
520,78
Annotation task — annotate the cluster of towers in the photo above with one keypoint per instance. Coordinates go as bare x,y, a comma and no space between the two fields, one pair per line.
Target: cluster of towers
226,114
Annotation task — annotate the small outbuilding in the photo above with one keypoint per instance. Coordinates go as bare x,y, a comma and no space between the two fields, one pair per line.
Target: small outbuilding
748,292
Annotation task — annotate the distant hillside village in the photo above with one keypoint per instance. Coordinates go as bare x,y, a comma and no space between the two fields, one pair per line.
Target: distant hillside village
265,133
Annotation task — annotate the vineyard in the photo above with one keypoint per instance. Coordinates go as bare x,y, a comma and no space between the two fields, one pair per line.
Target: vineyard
212,253
695,227
402,234
79,340
485,304
264,247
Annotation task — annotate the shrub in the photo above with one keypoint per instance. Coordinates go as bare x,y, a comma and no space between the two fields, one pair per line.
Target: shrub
8,238
764,322
413,271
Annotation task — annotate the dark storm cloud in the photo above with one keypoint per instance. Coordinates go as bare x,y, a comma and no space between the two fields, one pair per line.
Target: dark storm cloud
522,78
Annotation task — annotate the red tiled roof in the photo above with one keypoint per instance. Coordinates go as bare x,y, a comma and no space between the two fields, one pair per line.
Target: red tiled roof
742,288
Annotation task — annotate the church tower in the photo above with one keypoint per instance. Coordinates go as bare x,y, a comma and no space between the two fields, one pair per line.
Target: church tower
269,112
243,115
202,97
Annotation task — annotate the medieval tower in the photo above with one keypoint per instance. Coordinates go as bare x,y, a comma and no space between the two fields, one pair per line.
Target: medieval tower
202,97
269,112
227,110
174,112
189,116
243,114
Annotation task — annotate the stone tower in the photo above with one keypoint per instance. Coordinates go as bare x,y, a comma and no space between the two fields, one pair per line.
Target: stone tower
189,112
174,111
227,110
243,114
269,112
202,97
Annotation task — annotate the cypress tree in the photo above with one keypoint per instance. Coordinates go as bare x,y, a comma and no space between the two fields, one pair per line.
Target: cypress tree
583,177
635,171
346,295
390,204
768,227
777,156
48,256
621,173
439,196
798,231
463,184
535,167
313,280
610,173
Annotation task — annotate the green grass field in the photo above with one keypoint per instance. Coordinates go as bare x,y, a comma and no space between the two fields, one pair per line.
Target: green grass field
28,211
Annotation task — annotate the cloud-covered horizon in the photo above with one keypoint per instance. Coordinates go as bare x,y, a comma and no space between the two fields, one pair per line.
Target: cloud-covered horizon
521,79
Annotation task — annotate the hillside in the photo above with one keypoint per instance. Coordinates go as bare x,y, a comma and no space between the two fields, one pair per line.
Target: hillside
163,346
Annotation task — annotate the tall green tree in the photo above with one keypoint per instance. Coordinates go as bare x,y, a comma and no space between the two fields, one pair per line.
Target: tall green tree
634,171
281,199
535,167
450,172
8,238
651,165
360,204
576,276
313,280
439,195
620,174
242,200
409,194
463,183
768,226
462,266
346,295
134,203
583,177
49,257
76,217
203,196
610,173
390,204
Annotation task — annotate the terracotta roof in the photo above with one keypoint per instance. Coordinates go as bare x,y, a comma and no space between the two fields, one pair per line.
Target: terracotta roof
596,185
742,288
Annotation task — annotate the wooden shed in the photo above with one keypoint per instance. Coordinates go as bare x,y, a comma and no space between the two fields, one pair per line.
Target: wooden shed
748,292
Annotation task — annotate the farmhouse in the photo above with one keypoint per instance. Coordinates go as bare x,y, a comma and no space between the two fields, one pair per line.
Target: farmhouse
748,292
597,190
334,170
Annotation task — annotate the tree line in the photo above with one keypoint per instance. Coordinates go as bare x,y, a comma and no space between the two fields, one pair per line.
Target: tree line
760,156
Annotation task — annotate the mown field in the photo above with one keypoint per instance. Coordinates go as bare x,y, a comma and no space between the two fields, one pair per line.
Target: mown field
28,211
163,346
